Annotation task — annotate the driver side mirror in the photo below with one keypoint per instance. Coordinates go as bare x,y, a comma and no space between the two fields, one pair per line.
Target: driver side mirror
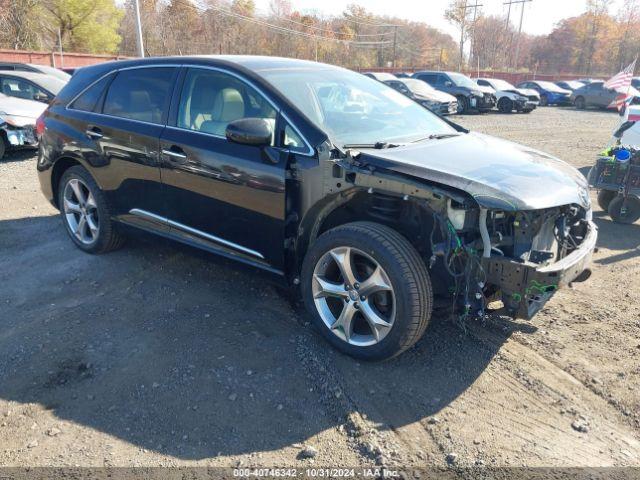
249,131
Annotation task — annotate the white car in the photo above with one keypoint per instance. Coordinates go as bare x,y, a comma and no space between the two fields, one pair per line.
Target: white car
17,122
509,97
631,136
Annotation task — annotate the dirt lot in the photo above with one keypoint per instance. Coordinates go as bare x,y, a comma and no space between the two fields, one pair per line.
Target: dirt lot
161,355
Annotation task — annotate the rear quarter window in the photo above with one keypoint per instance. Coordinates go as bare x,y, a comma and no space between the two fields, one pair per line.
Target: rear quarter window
141,94
88,101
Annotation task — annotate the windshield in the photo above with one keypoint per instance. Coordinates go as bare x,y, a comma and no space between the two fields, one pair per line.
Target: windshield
354,109
552,87
501,84
463,81
418,86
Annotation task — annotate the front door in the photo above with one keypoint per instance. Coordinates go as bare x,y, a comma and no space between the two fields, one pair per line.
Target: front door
219,194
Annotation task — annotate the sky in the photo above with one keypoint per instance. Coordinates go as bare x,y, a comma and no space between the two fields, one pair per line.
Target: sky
540,16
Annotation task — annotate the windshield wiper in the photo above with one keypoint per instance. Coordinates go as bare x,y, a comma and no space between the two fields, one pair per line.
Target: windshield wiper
377,145
437,136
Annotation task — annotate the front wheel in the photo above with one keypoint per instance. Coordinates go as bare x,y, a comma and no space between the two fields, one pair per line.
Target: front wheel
505,105
85,212
544,101
580,103
367,289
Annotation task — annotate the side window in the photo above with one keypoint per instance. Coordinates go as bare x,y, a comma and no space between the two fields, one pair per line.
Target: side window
210,100
484,83
140,94
14,87
443,79
88,101
431,79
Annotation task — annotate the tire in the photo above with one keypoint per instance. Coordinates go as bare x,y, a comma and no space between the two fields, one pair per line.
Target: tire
580,103
632,213
544,101
106,237
3,147
463,105
406,307
605,197
505,105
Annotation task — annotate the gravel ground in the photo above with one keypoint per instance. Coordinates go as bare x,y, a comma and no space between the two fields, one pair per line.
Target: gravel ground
158,354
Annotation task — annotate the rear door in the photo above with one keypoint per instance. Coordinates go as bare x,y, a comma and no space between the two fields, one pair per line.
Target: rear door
126,133
222,195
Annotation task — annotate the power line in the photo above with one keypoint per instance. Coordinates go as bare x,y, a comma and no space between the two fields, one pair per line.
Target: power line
354,19
523,2
331,31
278,28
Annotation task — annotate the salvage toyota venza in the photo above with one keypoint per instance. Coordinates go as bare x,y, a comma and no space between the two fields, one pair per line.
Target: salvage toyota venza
325,178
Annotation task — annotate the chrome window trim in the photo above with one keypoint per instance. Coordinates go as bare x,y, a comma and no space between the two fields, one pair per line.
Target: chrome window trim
143,213
310,151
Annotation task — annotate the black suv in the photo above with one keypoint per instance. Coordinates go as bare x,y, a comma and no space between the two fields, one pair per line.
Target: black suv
470,96
330,181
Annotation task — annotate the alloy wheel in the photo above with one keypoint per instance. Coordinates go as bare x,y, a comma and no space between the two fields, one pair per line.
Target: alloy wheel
81,211
353,296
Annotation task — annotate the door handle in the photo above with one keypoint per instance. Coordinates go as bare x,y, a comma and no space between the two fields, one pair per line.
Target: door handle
175,152
93,133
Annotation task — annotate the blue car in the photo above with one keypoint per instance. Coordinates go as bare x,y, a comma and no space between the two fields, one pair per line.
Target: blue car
550,93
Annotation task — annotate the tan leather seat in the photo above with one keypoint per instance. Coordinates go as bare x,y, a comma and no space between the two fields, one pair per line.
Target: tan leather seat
227,107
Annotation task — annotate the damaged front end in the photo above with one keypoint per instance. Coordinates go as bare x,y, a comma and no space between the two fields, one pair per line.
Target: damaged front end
514,261
509,261
17,134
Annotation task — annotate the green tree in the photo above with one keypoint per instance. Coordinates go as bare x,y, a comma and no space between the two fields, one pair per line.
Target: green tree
86,25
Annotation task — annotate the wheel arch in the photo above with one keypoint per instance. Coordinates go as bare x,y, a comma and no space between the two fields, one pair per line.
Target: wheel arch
60,166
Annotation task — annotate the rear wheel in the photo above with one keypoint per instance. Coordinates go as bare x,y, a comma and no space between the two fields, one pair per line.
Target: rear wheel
3,146
629,214
580,103
505,105
85,212
367,289
605,197
544,101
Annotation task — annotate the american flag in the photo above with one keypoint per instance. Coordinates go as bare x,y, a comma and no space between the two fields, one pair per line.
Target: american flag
623,79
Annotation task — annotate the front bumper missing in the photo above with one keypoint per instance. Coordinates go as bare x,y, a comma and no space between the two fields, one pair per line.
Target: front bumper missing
525,287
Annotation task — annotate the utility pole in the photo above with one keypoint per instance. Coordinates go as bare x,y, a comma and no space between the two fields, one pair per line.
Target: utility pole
523,2
395,44
139,30
464,8
60,48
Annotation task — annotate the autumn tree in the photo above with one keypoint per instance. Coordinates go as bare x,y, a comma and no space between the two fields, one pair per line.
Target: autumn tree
85,25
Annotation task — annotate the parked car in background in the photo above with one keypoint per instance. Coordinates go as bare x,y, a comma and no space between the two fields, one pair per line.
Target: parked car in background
380,76
550,93
635,83
17,123
364,201
466,91
69,71
32,67
509,97
570,85
438,102
402,75
595,95
30,85
587,81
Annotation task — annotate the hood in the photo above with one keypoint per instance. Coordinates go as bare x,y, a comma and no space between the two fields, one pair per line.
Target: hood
436,96
21,108
485,89
522,91
498,174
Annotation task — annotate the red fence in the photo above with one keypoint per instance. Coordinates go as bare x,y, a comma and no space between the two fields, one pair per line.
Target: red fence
54,59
